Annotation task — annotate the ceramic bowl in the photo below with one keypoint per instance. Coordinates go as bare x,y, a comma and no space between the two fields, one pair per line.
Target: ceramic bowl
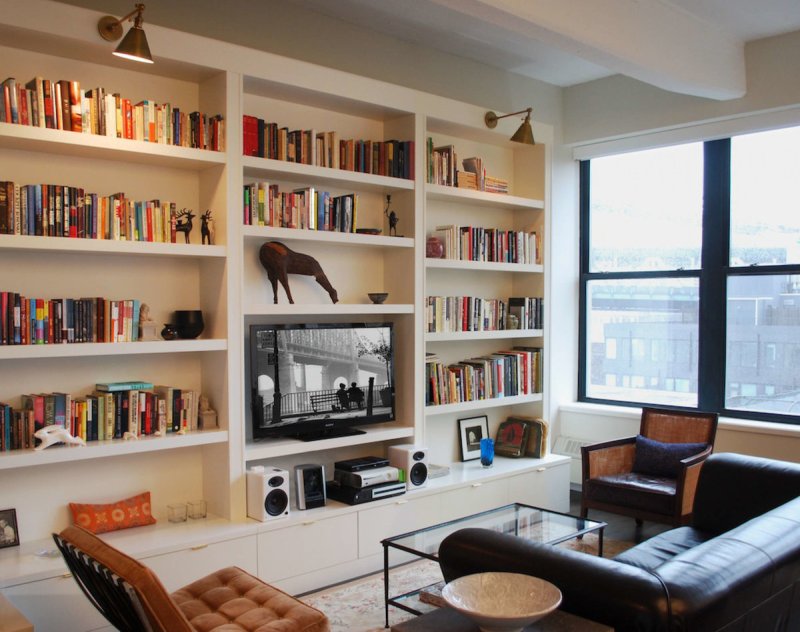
378,297
189,323
502,602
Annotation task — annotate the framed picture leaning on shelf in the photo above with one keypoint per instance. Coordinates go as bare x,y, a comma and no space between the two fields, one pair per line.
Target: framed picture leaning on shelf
9,536
472,430
512,438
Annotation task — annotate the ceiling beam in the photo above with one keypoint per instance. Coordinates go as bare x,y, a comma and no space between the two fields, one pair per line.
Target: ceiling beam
649,40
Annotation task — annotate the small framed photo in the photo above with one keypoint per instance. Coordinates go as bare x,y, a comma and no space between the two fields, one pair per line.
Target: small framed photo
471,431
512,438
9,536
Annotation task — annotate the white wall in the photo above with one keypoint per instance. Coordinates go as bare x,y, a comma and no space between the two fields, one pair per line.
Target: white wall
628,114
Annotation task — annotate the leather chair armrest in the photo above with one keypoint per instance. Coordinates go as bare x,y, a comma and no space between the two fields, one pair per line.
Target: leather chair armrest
625,597
688,476
609,457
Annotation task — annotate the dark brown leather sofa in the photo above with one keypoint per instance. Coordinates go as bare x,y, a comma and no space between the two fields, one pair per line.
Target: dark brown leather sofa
735,568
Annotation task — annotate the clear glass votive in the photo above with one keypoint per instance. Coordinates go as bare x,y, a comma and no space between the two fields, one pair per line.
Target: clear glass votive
487,452
197,509
176,512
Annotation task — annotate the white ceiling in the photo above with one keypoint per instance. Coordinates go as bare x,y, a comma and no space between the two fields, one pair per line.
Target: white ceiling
690,46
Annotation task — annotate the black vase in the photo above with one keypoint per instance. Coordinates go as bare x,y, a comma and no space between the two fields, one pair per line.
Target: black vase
189,323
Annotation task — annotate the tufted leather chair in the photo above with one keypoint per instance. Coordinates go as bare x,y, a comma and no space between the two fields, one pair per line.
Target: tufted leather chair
612,483
132,598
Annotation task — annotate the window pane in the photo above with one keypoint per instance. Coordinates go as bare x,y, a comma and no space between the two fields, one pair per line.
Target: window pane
655,314
645,210
765,206
763,363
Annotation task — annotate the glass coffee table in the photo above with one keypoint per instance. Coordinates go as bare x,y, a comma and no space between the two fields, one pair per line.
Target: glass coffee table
523,521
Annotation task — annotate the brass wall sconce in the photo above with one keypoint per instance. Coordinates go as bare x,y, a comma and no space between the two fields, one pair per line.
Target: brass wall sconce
525,132
134,44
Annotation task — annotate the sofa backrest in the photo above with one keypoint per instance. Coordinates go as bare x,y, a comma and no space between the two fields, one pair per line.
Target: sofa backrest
733,488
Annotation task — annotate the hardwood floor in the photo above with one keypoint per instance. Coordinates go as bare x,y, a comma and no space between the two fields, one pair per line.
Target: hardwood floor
619,527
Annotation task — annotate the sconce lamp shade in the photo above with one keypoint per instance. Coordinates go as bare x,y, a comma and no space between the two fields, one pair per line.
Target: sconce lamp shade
525,132
134,45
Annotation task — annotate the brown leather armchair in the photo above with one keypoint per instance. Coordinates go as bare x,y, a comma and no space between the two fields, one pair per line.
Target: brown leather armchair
642,477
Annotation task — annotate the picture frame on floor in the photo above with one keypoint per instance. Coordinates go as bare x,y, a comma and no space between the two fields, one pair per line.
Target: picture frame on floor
471,430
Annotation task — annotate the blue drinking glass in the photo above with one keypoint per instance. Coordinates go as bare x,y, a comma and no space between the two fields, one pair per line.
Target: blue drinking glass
487,452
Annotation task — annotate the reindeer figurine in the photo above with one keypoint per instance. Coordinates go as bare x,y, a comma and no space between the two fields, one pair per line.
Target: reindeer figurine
184,223
207,229
280,261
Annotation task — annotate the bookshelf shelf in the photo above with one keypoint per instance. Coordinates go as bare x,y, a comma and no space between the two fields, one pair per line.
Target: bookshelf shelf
102,449
481,198
311,175
462,407
77,145
483,266
89,349
502,334
349,239
30,243
272,448
341,309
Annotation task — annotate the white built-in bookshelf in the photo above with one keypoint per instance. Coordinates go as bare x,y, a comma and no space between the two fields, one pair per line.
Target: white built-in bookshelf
227,281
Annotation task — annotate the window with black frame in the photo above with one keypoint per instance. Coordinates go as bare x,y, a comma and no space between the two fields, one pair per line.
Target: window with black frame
690,277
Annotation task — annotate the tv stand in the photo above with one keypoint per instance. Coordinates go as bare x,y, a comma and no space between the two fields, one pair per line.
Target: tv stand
330,433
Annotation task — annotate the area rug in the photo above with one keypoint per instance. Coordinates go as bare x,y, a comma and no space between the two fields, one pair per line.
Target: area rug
357,606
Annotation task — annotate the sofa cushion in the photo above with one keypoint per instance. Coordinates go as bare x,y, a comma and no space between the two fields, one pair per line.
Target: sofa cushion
653,552
662,459
649,493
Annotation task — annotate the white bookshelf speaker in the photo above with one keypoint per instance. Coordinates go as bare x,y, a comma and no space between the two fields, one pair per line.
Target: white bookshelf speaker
267,493
413,460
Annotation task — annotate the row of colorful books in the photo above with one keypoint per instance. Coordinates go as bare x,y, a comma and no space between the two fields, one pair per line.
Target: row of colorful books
529,311
56,210
505,373
442,168
64,105
110,412
464,313
306,208
264,139
37,321
472,243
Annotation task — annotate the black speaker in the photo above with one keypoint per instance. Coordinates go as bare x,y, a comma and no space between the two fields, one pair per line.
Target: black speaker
413,460
310,485
267,493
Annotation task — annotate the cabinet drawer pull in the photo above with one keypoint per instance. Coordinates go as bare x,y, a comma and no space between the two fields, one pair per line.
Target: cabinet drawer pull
541,469
199,547
308,523
401,502
477,484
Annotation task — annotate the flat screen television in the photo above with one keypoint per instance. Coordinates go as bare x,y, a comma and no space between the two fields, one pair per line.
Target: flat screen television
319,381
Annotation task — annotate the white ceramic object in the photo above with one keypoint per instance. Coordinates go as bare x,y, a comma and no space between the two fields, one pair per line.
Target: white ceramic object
502,602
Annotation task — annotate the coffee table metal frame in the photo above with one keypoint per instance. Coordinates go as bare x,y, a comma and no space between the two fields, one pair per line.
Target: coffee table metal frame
582,527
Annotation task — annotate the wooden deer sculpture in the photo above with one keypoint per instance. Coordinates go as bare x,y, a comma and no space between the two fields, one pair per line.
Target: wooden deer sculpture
279,261
207,229
184,223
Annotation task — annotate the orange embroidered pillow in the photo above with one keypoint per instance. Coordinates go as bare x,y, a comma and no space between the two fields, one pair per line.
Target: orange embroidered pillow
123,514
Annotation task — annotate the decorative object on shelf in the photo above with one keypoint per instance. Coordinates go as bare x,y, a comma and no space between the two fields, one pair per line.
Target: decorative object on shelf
369,231
177,512
207,415
513,322
472,430
378,297
525,132
147,326
9,534
134,45
487,451
434,248
197,509
207,229
50,435
502,602
392,217
122,514
130,436
512,437
280,261
189,323
184,223
169,332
